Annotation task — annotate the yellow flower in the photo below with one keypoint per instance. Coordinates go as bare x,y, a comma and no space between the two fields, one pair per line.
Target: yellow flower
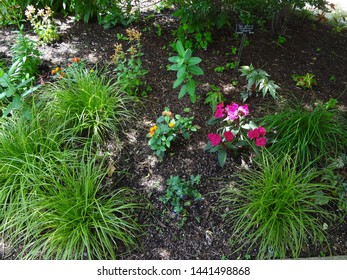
171,124
152,130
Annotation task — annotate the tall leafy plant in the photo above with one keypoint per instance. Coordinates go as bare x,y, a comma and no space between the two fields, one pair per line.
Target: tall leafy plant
186,66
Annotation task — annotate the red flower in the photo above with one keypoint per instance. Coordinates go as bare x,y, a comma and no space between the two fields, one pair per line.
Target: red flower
253,133
229,136
214,138
220,111
261,141
262,131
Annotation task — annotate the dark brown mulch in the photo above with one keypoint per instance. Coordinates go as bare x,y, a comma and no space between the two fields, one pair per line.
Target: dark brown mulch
312,48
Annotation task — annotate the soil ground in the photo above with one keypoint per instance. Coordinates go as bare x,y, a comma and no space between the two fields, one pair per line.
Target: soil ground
309,48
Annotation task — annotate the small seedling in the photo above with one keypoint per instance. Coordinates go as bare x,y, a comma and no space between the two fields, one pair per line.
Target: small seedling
306,81
281,40
332,78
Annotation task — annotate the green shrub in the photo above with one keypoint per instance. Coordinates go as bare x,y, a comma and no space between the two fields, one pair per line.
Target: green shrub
90,102
276,207
309,133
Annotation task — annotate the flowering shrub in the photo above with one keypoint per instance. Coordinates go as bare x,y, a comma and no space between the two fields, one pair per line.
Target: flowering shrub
128,63
167,129
232,133
43,24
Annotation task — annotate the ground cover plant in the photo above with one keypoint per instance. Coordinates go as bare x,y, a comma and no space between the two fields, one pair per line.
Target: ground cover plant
94,170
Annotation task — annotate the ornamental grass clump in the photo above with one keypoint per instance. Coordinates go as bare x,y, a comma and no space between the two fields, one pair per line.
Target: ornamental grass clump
275,208
69,215
90,102
309,133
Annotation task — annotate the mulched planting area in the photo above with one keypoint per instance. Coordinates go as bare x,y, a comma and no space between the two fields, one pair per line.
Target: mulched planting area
309,48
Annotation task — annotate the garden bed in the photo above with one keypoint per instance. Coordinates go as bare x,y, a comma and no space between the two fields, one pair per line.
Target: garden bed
309,48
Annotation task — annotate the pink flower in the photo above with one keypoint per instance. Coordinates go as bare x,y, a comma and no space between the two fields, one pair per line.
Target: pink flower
232,111
262,131
253,133
220,111
229,136
261,141
243,110
214,138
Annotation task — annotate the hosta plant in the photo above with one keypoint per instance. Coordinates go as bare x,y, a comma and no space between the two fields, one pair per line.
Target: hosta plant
167,129
234,132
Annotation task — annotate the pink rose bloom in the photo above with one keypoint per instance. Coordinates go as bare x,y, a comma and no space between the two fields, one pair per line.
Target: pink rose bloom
232,111
243,110
253,133
219,113
261,141
214,138
229,136
262,131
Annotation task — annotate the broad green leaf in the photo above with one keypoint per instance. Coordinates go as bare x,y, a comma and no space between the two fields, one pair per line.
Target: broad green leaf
195,70
180,48
183,91
1,72
174,59
178,82
187,54
194,60
191,87
222,156
181,73
174,67
192,98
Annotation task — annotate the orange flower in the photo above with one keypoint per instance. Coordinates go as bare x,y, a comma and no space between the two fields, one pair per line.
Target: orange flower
55,71
152,130
171,124
62,75
166,113
76,59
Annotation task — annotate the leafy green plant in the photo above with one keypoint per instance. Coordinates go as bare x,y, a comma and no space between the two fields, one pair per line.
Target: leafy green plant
334,177
214,97
186,66
167,130
43,23
16,84
180,193
219,69
91,102
110,12
257,81
310,133
233,126
306,81
9,13
128,63
274,207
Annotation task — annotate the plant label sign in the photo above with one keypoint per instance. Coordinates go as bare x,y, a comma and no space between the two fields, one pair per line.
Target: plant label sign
244,28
